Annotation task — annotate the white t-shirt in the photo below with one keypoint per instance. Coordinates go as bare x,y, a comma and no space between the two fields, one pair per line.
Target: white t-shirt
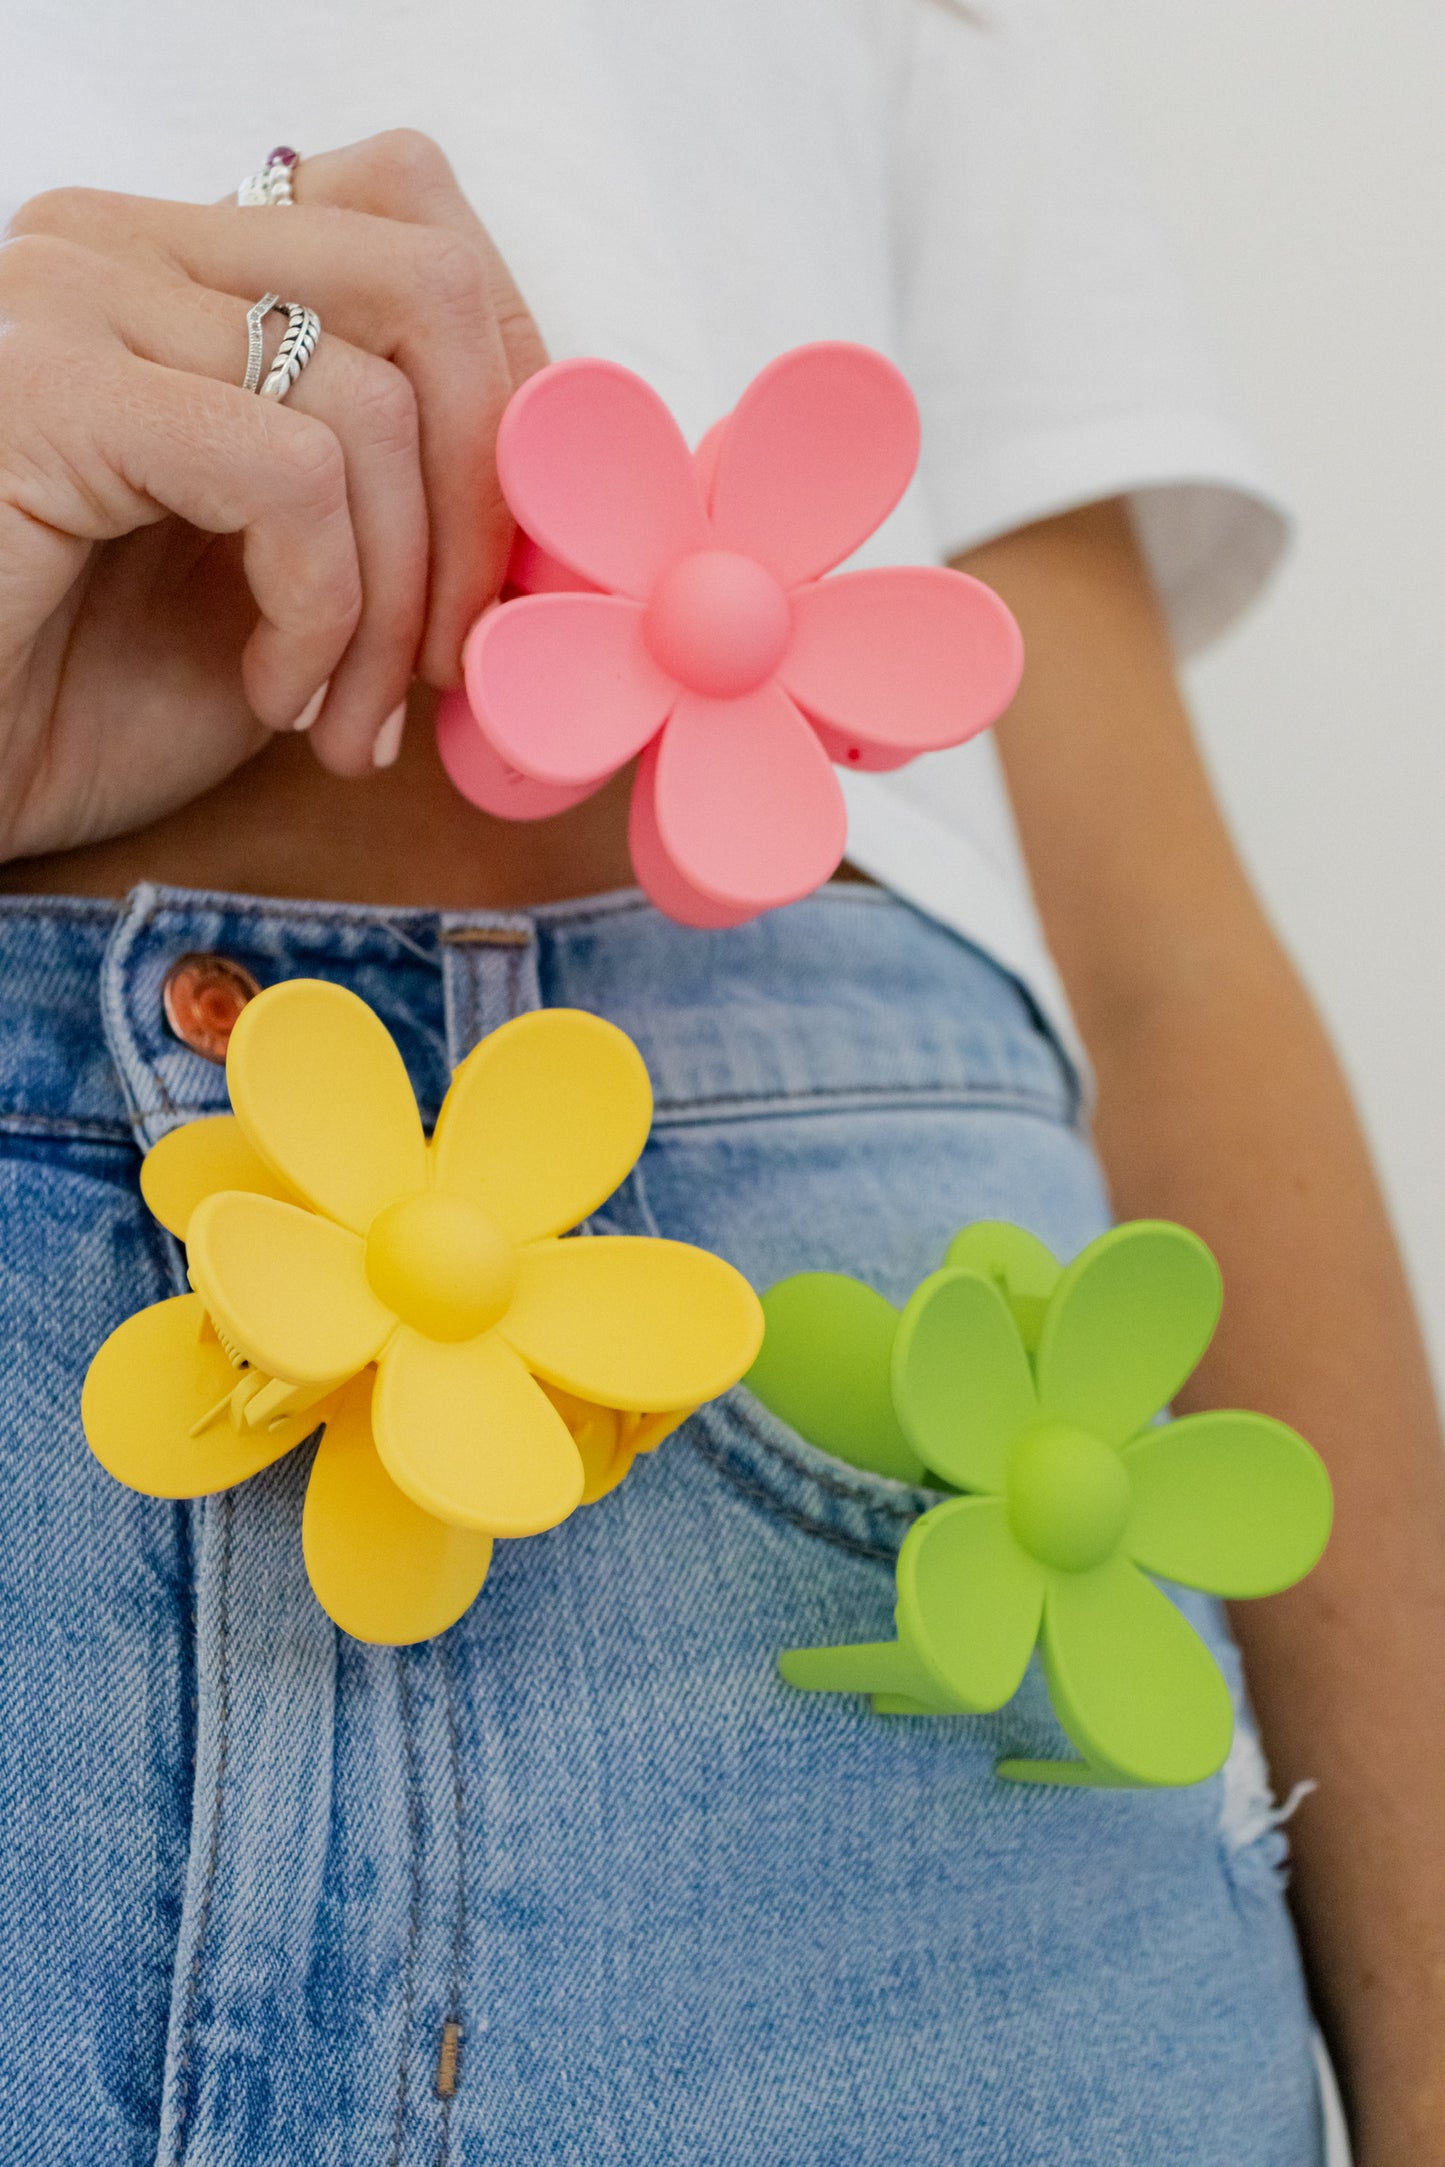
692,186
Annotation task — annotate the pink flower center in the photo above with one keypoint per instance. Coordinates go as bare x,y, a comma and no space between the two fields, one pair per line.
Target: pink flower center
718,622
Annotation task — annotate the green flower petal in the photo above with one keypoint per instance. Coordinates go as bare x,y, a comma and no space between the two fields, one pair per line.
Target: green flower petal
1133,1684
825,1368
1023,1270
1130,1319
961,1379
1234,1503
969,1601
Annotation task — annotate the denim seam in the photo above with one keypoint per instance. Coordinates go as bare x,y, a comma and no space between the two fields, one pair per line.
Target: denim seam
760,1495
1003,1098
847,1493
413,1921
459,1935
469,1018
83,910
115,966
849,893
157,907
213,1849
198,1107
77,1128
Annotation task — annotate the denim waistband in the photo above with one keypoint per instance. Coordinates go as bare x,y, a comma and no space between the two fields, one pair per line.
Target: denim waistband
850,997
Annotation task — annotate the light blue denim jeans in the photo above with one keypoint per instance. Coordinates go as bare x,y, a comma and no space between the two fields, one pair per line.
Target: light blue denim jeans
252,1870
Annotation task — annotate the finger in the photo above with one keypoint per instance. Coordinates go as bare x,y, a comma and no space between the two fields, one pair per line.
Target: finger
402,174
425,298
370,409
228,463
115,441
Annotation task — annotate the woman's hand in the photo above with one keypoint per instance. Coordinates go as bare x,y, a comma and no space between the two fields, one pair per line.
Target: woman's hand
184,567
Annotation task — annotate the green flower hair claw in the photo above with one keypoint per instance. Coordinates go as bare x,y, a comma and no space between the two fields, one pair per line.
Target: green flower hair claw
1034,1391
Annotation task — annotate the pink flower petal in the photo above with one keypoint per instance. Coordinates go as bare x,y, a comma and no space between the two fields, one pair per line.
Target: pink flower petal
747,808
704,456
657,876
597,471
563,686
911,656
481,774
814,456
531,571
847,749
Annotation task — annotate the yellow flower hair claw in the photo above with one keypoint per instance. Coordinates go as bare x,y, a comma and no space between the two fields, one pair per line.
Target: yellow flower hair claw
477,1375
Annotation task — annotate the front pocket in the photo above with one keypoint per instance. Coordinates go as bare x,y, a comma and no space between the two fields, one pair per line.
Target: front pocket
874,1192
877,1192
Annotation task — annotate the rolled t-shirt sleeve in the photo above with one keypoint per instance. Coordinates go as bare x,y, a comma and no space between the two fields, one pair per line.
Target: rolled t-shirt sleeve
1057,355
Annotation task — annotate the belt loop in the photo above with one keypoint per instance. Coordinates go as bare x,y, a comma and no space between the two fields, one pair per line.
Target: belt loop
164,1082
489,974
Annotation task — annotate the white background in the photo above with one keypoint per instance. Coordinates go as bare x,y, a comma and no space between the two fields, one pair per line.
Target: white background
1297,150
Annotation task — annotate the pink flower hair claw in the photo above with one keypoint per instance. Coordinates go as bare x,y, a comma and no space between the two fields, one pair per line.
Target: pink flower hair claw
678,610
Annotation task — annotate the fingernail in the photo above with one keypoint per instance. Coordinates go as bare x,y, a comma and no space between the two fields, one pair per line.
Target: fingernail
312,708
388,738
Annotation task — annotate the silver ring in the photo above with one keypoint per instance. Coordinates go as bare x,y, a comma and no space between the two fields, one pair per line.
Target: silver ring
255,318
295,350
271,187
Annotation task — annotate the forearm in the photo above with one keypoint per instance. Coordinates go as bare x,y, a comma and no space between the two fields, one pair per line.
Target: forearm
1221,1105
1223,1108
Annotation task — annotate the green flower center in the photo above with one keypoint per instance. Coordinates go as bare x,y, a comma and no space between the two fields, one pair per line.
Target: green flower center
1068,1497
441,1265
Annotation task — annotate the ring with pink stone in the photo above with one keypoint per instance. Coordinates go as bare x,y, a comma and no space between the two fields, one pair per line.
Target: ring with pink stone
272,186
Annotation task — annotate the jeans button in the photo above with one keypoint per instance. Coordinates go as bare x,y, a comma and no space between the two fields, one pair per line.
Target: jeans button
203,996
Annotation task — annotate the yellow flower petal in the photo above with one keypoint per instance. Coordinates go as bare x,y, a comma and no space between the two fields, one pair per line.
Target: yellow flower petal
633,1322
384,1570
609,1440
200,1160
649,1431
286,1288
470,1437
599,1435
323,1095
152,1382
543,1120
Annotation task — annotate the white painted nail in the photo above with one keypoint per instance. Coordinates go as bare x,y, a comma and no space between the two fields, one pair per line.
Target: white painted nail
312,708
388,738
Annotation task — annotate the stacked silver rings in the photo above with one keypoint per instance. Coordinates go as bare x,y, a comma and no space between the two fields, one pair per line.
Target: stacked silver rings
255,318
272,187
298,344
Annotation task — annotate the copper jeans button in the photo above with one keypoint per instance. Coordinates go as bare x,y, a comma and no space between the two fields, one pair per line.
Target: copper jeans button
203,996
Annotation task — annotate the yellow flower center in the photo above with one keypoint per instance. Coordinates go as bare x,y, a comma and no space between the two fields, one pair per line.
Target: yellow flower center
1068,1497
441,1265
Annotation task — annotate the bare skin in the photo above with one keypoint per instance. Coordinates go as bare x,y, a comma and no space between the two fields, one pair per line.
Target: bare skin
1221,1105
283,826
148,509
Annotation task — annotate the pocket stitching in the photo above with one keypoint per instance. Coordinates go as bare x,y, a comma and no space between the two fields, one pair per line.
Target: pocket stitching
759,1494
855,1490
